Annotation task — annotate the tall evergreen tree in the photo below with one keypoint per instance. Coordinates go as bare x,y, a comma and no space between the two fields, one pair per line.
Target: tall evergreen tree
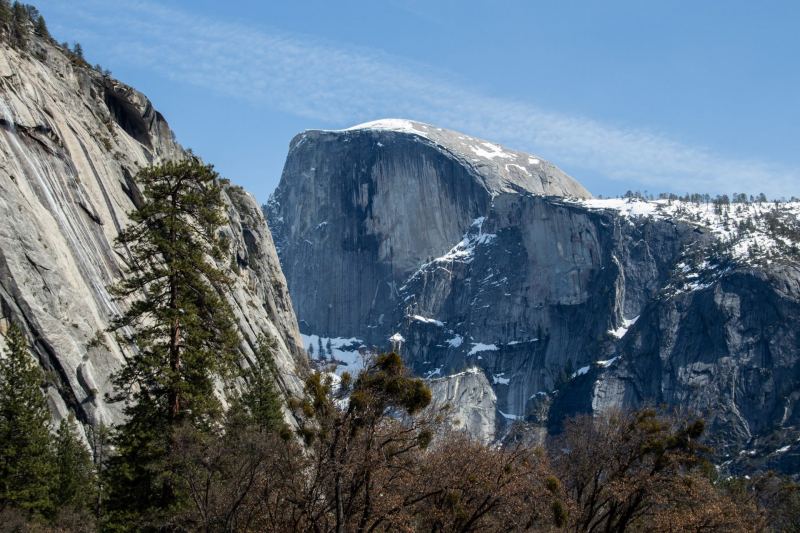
5,17
41,27
99,444
74,476
26,461
180,326
260,401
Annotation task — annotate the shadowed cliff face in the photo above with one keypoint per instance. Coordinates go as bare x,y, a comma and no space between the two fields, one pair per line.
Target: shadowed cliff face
348,223
402,228
363,209
728,351
70,143
567,304
532,293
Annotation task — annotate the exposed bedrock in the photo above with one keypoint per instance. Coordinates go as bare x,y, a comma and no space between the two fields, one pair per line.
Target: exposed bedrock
469,255
71,142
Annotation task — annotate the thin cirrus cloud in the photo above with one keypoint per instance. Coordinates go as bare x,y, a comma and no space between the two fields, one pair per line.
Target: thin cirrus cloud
341,85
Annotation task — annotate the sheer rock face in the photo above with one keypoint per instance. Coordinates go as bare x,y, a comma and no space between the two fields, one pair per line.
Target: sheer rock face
363,208
729,352
530,295
467,402
394,228
70,143
387,230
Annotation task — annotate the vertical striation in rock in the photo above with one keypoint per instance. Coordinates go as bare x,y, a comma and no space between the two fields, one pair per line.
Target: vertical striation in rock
71,142
364,208
727,351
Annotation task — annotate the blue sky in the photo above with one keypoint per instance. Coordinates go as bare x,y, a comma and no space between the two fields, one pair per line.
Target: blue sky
668,95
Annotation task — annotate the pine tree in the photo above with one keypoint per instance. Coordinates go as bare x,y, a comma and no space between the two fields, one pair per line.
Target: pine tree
74,476
98,437
19,26
180,325
41,27
26,461
77,49
5,17
260,401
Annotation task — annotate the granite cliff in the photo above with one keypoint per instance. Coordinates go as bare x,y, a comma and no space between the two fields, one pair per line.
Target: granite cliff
377,202
71,141
464,254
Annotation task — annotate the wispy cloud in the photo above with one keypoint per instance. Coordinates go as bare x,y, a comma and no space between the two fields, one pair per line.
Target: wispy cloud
334,84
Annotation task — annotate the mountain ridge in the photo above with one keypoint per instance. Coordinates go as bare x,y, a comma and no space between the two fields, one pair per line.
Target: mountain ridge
508,170
385,239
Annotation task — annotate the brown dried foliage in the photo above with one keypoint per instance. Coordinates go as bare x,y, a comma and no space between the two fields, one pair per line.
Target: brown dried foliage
365,467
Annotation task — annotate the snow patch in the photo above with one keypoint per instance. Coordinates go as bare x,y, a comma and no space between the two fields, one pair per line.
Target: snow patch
456,341
581,371
498,379
607,363
519,167
436,372
462,252
514,343
469,371
746,229
478,347
623,329
426,320
478,222
345,353
393,124
489,150
626,207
